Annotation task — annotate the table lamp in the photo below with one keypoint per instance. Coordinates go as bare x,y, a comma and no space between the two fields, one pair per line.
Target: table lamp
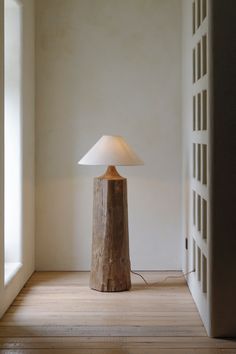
110,266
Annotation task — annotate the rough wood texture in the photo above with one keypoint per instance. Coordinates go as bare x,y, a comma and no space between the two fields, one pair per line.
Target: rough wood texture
110,269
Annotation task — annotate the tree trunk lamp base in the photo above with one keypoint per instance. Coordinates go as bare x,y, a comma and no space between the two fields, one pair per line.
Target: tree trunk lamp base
110,269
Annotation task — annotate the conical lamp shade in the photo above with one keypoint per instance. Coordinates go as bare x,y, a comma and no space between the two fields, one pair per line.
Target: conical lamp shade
111,151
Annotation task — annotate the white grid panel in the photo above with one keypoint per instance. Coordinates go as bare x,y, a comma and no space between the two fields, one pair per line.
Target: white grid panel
199,142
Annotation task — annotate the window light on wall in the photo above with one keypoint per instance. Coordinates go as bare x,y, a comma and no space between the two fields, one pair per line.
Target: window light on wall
12,139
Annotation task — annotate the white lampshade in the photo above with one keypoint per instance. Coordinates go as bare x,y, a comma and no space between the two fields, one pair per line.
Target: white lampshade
111,151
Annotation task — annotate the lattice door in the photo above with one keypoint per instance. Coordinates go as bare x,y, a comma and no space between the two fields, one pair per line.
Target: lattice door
199,194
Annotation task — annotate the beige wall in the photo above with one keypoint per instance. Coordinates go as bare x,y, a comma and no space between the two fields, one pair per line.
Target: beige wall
8,293
186,123
108,67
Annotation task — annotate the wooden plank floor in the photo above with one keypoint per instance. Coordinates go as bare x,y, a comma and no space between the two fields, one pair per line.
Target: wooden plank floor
56,312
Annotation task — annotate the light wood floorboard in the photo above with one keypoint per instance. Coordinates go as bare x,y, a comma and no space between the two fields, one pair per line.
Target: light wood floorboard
56,312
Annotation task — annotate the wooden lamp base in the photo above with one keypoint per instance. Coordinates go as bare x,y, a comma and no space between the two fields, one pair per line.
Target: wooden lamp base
110,269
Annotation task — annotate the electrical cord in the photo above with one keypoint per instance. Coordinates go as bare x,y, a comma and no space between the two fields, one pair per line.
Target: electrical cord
145,281
162,281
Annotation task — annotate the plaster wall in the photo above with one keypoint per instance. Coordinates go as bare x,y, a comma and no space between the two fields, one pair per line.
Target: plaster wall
108,67
186,122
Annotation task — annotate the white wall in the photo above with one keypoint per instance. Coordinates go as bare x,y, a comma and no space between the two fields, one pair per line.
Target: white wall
186,120
8,293
108,67
12,131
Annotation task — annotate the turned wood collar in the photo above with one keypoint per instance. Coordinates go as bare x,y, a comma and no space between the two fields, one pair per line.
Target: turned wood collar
111,173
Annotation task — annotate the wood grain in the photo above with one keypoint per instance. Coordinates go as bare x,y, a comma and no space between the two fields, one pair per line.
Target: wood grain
57,312
110,269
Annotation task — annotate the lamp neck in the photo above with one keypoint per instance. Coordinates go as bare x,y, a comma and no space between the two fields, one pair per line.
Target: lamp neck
111,173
